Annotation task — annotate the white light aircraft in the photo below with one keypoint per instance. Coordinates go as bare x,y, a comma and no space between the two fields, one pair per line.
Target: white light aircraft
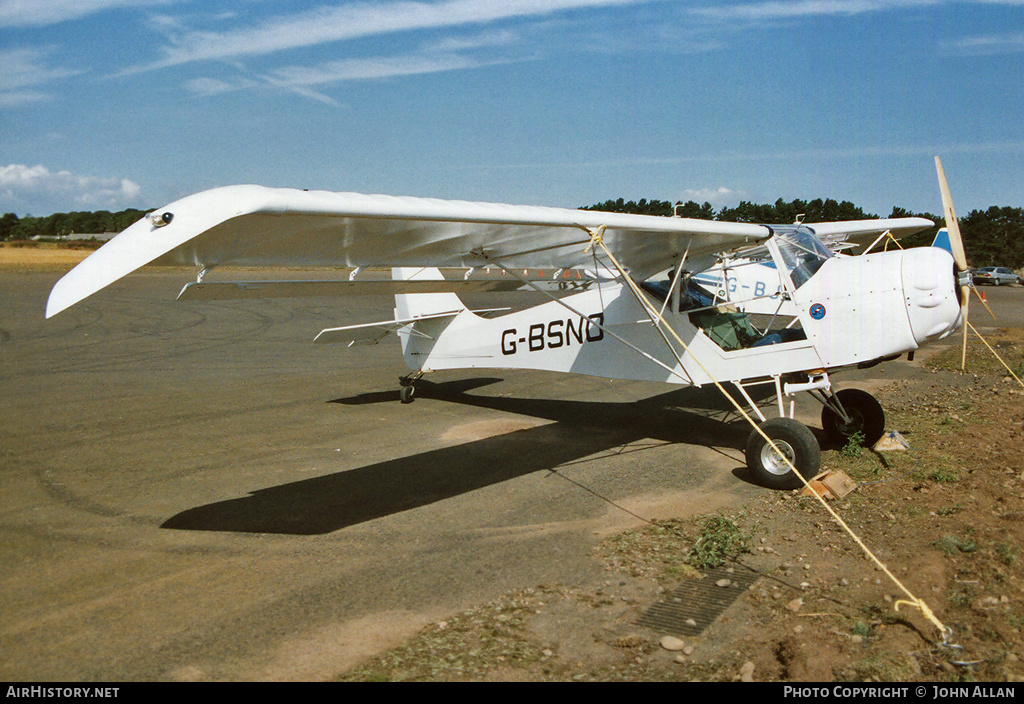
850,311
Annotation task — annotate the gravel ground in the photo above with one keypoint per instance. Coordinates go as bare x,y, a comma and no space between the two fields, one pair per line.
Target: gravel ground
944,514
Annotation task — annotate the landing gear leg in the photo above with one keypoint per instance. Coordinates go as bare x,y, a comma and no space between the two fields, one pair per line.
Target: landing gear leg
852,411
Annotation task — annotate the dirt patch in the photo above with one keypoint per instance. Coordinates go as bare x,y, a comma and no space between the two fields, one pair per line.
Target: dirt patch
945,515
479,430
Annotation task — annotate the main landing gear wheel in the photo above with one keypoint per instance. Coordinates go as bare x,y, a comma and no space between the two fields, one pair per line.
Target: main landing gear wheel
866,418
795,441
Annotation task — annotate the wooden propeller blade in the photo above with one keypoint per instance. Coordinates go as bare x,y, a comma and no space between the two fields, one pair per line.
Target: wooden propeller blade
952,224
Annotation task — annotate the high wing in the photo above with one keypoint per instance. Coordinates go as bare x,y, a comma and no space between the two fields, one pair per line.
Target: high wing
258,226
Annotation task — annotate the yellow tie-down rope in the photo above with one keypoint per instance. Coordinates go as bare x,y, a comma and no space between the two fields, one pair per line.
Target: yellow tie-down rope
996,354
597,239
890,238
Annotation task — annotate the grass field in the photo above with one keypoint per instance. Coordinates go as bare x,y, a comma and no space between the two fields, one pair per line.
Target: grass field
42,255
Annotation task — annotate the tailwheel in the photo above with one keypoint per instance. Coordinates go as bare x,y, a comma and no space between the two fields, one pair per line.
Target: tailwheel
407,390
865,414
796,443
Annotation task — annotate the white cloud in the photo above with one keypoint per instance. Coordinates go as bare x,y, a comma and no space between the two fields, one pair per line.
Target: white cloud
36,189
215,86
301,79
718,197
450,54
356,20
788,9
483,40
1012,43
367,69
770,10
23,73
38,13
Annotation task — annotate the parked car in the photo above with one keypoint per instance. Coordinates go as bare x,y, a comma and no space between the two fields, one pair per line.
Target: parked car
995,275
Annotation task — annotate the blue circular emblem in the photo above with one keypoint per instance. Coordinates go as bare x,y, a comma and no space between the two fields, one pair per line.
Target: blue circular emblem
817,311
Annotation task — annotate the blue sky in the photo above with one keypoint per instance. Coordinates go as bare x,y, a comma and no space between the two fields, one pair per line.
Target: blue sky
134,103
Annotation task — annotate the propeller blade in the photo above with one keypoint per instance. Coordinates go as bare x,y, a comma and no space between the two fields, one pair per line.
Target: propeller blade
952,224
956,244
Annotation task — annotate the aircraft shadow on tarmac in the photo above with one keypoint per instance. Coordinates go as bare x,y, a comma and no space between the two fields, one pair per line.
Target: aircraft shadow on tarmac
579,429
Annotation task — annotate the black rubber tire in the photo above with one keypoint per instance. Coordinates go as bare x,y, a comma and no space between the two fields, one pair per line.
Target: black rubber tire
866,413
407,393
795,440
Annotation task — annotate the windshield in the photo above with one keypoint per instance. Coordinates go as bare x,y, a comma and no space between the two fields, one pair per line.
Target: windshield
802,253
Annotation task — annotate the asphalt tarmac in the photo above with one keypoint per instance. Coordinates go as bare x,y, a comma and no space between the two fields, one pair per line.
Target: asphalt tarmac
194,491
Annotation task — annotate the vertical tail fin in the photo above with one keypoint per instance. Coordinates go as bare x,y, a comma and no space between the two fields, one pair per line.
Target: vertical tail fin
411,305
942,240
419,338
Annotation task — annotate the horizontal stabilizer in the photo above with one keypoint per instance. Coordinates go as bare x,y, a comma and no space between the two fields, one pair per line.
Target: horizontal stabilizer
231,290
372,333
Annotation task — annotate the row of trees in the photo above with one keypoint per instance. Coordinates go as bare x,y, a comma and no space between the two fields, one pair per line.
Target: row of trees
65,224
991,237
994,237
776,214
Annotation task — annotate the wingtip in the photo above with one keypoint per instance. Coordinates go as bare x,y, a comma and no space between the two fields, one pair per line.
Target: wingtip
52,310
57,301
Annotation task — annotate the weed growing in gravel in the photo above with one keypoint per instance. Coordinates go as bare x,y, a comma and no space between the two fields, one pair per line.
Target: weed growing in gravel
720,539
944,475
1007,553
953,545
854,445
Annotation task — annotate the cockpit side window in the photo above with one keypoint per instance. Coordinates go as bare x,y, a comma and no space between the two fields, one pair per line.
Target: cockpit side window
802,254
724,324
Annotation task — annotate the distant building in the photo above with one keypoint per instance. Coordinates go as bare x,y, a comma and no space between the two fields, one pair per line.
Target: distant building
102,237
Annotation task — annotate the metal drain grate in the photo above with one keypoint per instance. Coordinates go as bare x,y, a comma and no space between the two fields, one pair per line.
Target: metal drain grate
696,603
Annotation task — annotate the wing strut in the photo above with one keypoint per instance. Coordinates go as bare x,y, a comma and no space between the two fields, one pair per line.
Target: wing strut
599,326
657,318
674,298
597,242
888,237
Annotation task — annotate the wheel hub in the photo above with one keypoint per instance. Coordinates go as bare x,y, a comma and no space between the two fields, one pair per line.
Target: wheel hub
855,425
773,461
